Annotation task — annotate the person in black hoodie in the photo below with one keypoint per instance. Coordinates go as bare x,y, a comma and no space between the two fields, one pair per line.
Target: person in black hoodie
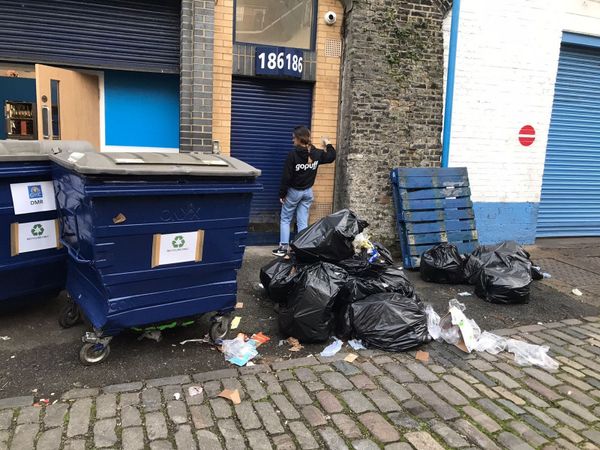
298,177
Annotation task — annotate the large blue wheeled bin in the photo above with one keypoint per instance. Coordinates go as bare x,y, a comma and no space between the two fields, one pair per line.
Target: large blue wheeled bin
152,238
32,264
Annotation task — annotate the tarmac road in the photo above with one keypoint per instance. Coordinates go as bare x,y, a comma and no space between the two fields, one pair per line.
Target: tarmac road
40,355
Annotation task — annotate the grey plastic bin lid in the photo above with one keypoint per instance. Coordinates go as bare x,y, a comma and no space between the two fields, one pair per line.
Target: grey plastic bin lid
155,164
16,151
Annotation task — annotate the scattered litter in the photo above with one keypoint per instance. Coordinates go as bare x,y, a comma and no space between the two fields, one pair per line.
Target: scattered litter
204,340
250,364
295,344
490,343
530,354
422,356
356,344
540,323
12,357
351,357
52,394
577,292
195,390
119,218
241,350
281,342
464,294
332,348
34,391
260,338
569,392
235,322
260,285
457,329
546,275
233,395
55,402
155,335
176,395
239,305
4,338
433,322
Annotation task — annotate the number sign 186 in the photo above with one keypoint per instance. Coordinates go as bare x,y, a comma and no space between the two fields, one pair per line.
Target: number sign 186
279,61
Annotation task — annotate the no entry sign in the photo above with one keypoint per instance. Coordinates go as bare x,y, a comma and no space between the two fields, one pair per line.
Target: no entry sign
527,135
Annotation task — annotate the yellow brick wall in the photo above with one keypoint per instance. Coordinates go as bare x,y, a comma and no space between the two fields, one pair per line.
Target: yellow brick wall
223,62
326,103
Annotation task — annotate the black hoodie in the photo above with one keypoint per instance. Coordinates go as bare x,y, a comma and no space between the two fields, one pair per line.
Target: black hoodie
298,173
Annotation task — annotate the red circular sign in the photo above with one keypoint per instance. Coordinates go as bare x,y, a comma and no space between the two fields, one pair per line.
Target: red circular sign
527,135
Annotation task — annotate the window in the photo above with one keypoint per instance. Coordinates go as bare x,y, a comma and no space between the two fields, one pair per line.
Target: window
284,23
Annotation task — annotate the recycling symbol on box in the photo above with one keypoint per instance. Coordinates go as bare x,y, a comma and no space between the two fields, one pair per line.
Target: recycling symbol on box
178,242
37,230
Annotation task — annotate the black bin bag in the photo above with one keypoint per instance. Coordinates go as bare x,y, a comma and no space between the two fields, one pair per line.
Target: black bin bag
329,239
505,281
442,264
268,271
389,321
358,288
490,254
308,314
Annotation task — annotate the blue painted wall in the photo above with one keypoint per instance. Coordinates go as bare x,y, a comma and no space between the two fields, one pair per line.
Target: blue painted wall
18,89
141,109
498,221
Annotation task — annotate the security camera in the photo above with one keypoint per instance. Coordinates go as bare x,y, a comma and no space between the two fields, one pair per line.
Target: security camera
330,17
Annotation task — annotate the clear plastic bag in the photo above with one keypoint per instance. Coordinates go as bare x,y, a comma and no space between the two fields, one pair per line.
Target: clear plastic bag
530,354
491,343
238,351
433,323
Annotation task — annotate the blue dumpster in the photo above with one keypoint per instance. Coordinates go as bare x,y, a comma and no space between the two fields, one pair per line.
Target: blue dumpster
31,260
152,238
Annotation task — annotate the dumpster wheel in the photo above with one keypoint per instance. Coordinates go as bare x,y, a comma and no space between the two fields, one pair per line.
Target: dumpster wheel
69,315
91,353
219,328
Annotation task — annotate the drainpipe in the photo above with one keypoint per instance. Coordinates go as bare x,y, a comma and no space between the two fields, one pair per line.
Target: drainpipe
450,83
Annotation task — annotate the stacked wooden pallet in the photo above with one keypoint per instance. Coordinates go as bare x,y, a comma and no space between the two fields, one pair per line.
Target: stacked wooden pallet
432,206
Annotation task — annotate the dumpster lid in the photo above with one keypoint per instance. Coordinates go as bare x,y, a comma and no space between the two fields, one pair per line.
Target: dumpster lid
15,151
124,163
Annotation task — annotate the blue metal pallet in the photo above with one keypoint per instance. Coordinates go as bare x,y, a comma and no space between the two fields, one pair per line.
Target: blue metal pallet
432,206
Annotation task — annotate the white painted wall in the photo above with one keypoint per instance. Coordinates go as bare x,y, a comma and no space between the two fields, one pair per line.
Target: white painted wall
507,58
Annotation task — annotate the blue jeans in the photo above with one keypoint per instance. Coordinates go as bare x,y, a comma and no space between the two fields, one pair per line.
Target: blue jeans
295,202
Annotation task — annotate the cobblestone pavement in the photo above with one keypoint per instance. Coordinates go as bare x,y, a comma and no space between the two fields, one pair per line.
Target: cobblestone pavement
381,400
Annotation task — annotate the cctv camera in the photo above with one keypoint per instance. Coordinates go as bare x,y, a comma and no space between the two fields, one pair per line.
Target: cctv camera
330,17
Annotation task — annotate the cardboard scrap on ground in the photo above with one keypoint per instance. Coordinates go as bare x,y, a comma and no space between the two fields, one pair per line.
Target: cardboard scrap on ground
239,305
233,395
295,344
350,357
422,356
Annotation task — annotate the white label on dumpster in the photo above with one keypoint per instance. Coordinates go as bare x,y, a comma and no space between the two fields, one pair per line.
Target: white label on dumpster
177,248
33,197
34,236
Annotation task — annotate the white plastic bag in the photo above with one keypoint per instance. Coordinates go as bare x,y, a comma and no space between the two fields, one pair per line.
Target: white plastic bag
433,322
491,343
361,241
469,330
530,354
356,344
332,348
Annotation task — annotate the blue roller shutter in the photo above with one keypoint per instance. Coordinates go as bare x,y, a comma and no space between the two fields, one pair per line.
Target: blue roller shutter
263,115
142,35
570,202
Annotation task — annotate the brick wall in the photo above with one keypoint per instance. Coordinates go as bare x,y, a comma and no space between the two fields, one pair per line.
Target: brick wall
197,21
391,111
326,102
223,57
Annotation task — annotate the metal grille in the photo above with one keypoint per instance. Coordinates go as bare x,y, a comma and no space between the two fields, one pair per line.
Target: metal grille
333,48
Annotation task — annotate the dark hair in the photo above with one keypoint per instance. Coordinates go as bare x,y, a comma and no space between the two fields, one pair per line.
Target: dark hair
302,134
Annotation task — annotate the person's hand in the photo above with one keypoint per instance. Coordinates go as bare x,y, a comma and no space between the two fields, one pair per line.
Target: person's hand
282,200
326,141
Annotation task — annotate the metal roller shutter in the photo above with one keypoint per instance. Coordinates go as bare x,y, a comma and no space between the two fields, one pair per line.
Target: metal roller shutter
141,35
263,115
570,202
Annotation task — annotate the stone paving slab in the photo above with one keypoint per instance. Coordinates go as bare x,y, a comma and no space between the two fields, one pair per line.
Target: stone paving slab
381,400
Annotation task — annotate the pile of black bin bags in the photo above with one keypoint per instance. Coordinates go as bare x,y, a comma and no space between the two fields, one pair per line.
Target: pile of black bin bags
501,273
326,289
